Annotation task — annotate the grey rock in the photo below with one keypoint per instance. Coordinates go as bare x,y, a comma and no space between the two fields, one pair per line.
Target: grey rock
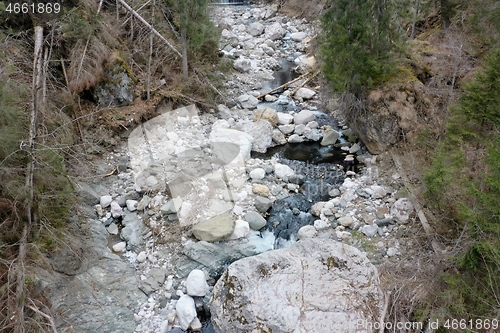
105,201
334,193
296,179
255,220
153,282
262,134
262,204
307,231
119,247
345,221
213,258
274,31
402,209
255,29
284,118
112,229
216,228
354,148
330,136
298,36
278,137
385,222
248,101
116,210
242,65
87,193
143,203
131,205
118,86
315,272
369,230
303,117
305,93
172,206
283,171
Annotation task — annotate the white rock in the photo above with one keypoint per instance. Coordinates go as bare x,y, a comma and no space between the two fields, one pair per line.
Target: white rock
312,124
321,224
257,174
298,36
186,311
306,64
283,171
270,98
300,129
392,251
248,101
255,29
119,247
169,282
196,325
307,231
345,221
242,65
369,230
220,137
274,31
303,117
131,205
378,192
402,209
317,207
284,118
286,129
142,256
196,283
295,138
305,93
105,201
116,210
241,229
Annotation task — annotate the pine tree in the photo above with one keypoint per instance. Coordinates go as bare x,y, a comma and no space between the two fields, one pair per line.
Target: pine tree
357,43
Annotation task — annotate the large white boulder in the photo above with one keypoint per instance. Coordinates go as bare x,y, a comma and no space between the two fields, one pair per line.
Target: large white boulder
316,286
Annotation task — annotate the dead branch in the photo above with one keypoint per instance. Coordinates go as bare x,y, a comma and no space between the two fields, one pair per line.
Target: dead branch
283,85
438,249
153,30
303,83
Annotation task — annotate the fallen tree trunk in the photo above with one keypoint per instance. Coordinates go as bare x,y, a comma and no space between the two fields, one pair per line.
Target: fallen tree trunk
153,30
283,85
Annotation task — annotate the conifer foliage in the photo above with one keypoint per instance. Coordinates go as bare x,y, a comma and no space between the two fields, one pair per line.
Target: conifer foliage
356,43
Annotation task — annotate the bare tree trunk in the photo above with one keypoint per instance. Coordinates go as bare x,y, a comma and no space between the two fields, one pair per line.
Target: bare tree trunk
185,72
415,16
37,97
148,84
139,17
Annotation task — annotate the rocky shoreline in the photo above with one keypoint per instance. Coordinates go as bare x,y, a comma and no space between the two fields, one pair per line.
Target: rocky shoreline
190,198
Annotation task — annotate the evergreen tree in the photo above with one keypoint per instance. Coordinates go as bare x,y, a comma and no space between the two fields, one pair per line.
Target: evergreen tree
357,43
